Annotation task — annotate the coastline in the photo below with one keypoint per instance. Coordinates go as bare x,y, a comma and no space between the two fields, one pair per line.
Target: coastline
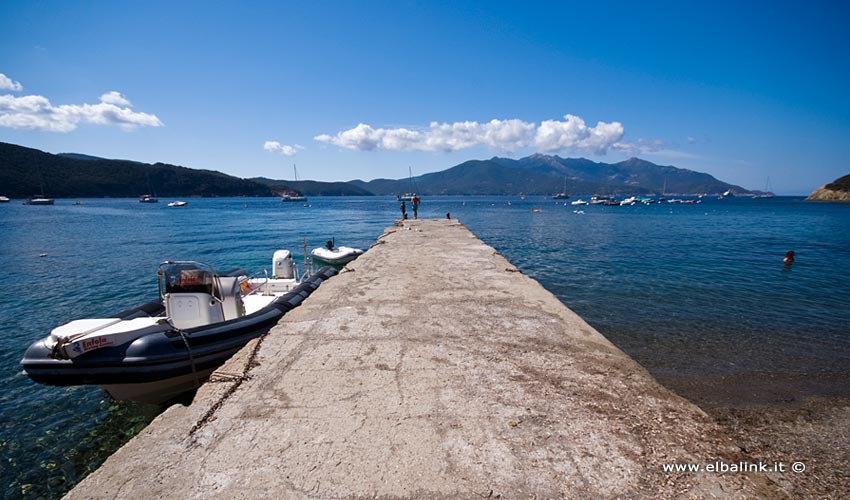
782,418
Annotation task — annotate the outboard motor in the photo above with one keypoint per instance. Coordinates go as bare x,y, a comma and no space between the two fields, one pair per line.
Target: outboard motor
282,265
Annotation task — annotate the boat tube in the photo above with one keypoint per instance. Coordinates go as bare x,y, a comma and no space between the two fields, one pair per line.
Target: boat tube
335,256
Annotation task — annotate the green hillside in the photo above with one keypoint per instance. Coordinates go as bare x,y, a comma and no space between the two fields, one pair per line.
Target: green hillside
314,188
23,172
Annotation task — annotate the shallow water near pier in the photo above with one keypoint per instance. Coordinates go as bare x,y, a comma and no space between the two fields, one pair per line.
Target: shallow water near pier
696,293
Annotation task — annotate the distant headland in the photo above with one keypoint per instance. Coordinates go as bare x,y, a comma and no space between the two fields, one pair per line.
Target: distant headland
26,171
837,190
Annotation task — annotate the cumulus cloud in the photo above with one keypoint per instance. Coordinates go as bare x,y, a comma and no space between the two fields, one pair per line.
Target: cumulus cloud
362,137
283,149
6,83
573,133
37,113
505,135
116,98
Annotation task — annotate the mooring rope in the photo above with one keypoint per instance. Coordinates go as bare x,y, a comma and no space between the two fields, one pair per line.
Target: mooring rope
191,357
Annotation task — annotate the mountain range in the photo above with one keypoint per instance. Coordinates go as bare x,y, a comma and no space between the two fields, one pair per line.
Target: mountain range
545,174
25,171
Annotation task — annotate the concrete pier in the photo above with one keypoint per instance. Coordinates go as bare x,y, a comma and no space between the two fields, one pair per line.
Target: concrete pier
429,368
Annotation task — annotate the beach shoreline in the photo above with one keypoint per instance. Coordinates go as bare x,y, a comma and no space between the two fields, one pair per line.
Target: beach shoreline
782,418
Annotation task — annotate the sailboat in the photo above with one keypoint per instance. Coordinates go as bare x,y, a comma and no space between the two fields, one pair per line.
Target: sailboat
563,194
148,198
768,192
293,195
408,196
39,199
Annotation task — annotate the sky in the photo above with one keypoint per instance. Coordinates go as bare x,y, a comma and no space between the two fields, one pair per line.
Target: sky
750,92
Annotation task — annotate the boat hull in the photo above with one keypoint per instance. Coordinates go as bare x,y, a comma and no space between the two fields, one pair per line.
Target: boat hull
39,201
159,391
337,257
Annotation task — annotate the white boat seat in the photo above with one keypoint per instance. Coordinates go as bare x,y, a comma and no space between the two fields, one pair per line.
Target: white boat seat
188,310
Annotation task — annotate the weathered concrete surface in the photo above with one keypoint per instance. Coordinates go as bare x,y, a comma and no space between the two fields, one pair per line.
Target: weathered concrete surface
432,369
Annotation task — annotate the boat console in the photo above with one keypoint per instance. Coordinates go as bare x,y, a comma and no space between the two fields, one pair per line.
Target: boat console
194,296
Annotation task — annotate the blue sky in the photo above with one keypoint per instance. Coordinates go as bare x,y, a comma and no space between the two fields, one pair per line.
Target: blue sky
351,90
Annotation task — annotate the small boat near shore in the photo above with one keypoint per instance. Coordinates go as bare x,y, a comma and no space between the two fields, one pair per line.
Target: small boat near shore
293,196
602,200
335,256
39,200
178,203
164,348
563,194
411,193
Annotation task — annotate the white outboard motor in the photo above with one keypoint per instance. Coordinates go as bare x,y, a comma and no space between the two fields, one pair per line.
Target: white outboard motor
282,265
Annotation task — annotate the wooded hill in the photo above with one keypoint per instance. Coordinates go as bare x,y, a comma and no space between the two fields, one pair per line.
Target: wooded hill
314,188
24,171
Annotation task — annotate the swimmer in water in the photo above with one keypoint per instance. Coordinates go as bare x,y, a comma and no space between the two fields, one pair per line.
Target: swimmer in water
789,258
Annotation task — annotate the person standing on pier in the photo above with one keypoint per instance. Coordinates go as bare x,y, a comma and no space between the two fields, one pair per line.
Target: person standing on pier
415,202
403,210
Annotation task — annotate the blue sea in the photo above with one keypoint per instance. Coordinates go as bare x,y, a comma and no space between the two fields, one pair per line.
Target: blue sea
696,293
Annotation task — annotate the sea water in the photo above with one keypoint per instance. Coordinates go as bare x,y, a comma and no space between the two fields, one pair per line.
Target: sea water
692,292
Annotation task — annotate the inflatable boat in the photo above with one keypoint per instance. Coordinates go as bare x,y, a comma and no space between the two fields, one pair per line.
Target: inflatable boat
159,350
335,256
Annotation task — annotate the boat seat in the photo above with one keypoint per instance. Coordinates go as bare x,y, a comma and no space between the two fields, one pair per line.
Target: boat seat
188,310
231,294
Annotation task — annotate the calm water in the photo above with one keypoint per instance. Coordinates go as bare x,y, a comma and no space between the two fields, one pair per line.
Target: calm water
691,291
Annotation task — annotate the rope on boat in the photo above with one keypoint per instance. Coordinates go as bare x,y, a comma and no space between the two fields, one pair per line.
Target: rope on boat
191,357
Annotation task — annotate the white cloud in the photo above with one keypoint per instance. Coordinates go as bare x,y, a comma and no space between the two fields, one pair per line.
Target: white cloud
6,83
37,113
284,149
115,98
362,137
508,135
505,135
573,133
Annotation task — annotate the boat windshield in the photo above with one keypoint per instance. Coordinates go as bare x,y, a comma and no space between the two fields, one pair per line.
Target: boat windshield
186,277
